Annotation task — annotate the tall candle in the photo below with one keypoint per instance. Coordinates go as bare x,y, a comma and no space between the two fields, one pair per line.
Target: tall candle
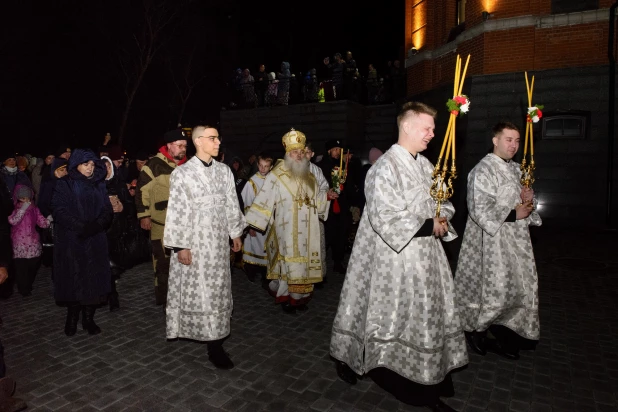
340,162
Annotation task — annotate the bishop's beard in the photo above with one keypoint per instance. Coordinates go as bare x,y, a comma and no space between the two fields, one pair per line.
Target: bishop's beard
298,169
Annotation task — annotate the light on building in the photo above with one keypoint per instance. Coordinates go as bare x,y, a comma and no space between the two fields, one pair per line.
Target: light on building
485,15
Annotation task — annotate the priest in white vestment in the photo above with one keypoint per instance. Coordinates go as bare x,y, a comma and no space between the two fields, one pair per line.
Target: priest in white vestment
203,214
397,315
496,279
253,251
288,208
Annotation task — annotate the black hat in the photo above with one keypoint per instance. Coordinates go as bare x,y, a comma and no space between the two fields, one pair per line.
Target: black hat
7,154
63,148
173,135
332,143
142,155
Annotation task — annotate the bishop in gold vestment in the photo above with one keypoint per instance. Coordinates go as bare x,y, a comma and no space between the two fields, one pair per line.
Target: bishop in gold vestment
288,208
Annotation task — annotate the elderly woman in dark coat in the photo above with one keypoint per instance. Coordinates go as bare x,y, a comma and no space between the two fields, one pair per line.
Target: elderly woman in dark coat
82,213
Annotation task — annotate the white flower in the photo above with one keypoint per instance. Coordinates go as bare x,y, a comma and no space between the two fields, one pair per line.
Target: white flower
535,119
465,107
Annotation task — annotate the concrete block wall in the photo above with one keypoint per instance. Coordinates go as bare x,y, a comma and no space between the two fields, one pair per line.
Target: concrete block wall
571,174
358,127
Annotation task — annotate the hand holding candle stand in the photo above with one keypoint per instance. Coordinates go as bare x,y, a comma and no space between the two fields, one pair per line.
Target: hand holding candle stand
442,187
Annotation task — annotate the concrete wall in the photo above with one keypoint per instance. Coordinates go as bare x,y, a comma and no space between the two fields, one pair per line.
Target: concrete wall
571,174
359,127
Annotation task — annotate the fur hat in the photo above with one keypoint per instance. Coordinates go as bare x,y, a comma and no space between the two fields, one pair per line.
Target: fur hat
331,144
174,135
115,152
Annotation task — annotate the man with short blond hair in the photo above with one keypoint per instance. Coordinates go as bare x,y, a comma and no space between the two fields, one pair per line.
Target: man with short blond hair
396,318
202,217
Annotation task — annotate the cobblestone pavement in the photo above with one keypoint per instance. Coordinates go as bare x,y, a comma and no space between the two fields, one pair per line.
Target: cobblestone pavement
282,361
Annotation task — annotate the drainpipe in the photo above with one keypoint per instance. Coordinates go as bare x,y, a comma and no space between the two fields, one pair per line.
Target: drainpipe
611,114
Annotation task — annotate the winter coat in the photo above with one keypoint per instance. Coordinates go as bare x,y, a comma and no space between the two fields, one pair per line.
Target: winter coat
6,208
24,236
48,183
82,213
12,179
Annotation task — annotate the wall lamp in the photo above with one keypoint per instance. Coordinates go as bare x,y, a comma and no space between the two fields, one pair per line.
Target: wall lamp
412,52
486,15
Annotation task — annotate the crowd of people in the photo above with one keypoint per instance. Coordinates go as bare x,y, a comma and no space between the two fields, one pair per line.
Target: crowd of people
402,319
342,81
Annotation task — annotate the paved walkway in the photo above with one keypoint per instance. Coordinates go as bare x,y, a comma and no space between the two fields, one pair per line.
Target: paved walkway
282,361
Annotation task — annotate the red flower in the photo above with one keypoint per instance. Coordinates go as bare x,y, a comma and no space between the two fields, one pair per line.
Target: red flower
459,100
539,113
455,112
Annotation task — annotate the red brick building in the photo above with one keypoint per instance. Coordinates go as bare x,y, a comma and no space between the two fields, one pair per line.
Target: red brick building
564,44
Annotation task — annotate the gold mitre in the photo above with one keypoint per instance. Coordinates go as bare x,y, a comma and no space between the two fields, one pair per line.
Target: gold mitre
293,140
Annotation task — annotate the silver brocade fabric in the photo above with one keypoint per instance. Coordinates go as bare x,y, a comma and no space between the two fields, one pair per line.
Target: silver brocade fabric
397,307
202,214
496,279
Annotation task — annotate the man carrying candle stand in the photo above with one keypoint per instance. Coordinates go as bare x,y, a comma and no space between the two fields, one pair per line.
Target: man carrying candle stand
496,279
397,318
333,165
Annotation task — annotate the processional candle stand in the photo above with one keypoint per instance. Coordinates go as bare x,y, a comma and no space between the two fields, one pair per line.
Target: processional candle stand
533,116
442,186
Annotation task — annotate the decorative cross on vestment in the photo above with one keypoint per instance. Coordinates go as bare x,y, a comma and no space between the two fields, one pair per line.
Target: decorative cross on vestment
283,224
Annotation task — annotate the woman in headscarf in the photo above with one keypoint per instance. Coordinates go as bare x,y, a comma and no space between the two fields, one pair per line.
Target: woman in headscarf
82,212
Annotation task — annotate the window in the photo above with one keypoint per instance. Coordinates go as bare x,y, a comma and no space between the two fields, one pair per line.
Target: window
571,6
565,125
460,17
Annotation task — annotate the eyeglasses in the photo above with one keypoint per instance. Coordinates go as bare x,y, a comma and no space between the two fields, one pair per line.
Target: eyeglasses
213,138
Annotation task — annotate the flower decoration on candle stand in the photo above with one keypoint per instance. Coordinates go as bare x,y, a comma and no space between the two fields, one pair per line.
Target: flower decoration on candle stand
533,116
339,176
442,186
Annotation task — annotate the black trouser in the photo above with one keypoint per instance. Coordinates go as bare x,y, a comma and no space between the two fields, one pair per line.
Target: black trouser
162,271
409,392
508,339
336,227
253,271
2,364
25,272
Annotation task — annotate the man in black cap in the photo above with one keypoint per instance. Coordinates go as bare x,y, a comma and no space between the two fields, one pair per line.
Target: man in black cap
339,215
151,197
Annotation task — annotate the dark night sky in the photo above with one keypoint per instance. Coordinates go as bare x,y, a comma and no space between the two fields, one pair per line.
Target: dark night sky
60,77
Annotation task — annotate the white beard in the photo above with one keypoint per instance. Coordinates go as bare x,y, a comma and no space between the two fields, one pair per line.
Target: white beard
298,169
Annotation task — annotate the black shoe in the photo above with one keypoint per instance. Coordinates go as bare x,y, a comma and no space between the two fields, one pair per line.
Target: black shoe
302,308
220,359
476,341
70,327
345,373
287,308
88,320
114,302
440,406
494,345
340,268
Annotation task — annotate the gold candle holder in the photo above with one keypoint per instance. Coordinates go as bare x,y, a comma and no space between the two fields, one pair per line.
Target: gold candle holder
442,186
534,114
